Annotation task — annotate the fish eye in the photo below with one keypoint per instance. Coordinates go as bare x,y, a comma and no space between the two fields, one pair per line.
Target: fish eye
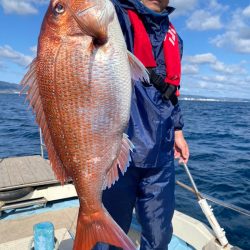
59,8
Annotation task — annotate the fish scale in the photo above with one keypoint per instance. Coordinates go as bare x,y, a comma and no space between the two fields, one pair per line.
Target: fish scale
80,91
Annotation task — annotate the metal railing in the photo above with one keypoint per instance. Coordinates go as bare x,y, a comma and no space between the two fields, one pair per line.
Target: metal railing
42,145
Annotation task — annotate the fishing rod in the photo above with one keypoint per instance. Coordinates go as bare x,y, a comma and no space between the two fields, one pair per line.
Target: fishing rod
215,200
207,210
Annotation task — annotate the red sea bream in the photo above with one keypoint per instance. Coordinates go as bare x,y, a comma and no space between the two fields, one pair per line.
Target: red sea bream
79,86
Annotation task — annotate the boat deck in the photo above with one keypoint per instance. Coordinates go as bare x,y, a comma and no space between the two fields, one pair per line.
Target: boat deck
17,225
25,171
20,226
35,171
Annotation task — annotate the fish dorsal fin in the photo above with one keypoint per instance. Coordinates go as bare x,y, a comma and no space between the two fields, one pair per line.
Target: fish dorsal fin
121,162
138,70
30,83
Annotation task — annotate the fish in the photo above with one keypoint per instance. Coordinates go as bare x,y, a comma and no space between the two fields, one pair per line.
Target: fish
79,87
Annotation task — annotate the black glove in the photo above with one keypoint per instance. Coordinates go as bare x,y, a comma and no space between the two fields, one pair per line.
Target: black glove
167,90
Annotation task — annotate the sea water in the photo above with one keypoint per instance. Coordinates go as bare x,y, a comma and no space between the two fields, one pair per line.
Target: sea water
218,134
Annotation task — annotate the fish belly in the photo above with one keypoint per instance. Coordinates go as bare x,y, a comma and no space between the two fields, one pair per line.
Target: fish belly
87,109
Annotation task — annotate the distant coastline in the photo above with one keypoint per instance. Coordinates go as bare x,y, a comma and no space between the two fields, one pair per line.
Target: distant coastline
9,88
211,99
13,88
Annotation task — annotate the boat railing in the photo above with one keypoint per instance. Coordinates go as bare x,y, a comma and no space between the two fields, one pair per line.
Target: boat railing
42,145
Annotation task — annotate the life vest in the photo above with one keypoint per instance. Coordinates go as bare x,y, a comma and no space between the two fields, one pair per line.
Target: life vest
143,49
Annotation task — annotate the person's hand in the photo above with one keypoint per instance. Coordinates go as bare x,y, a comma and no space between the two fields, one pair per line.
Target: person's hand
181,150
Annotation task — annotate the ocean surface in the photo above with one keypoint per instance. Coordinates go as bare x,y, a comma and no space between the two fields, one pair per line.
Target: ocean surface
218,134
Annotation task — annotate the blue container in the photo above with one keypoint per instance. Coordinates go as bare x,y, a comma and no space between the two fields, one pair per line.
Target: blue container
44,236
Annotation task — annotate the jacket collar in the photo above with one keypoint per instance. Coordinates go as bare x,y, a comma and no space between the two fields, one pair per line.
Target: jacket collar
143,10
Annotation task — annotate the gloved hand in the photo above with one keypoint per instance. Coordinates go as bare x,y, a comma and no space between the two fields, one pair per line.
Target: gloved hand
167,90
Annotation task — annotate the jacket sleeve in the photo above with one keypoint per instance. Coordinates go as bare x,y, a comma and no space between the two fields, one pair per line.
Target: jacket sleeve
177,117
177,114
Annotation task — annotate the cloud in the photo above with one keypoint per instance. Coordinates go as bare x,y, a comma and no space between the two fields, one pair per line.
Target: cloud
33,49
186,7
216,78
246,11
191,65
216,85
201,58
236,36
21,7
205,75
183,7
215,6
204,20
228,69
202,84
232,41
189,69
7,53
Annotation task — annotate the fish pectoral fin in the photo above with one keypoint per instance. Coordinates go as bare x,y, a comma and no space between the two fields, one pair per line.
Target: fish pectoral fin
100,227
138,70
121,162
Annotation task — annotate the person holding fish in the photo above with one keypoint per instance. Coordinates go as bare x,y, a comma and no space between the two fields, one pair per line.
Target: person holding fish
155,126
79,86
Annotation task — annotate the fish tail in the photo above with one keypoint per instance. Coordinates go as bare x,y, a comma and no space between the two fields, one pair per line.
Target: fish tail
100,227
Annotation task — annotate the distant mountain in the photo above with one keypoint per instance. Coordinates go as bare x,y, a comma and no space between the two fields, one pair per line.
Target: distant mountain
9,88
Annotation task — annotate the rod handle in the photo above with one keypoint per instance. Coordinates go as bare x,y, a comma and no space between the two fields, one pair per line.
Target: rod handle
219,232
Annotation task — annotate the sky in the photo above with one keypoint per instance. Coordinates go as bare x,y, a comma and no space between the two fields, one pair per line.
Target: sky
216,36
